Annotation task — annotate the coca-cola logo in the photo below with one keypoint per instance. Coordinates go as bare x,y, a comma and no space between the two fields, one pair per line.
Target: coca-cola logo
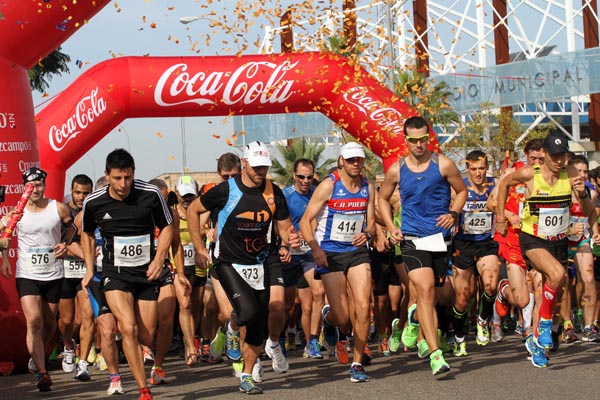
386,117
260,82
86,111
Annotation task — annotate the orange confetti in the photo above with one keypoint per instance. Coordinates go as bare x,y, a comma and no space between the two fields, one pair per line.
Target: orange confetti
216,136
159,134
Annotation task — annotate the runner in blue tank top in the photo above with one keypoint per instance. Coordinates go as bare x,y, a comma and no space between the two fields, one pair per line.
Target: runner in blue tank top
343,208
425,181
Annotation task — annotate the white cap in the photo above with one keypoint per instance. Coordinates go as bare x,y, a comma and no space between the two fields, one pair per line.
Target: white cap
187,185
257,154
352,149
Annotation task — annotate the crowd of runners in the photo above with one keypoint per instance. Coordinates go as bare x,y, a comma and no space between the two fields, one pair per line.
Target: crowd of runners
330,263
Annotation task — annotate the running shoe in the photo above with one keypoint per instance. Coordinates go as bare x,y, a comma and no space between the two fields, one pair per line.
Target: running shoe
384,347
589,335
423,348
218,344
275,353
366,357
438,364
501,303
238,367
442,343
32,367
497,334
460,348
247,385
538,354
115,386
44,382
145,394
290,341
396,336
312,349
519,330
341,351
568,335
91,358
101,362
411,332
158,376
483,332
82,373
68,361
205,352
233,345
257,371
544,334
148,355
358,374
330,333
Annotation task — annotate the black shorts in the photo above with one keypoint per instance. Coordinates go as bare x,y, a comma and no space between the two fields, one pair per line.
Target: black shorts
467,253
99,298
415,259
140,290
302,282
274,270
166,276
383,272
341,262
48,290
195,280
559,249
296,269
70,287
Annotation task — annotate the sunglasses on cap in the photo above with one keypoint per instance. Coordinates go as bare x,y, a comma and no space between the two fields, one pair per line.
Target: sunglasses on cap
416,139
304,177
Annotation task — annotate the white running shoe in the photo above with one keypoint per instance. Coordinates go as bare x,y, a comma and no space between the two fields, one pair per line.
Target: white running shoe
115,386
68,361
257,371
280,364
32,367
82,371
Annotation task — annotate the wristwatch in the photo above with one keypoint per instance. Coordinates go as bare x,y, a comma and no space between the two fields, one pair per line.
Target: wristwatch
454,215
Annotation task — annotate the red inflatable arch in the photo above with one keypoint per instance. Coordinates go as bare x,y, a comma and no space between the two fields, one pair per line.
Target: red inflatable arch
134,87
29,31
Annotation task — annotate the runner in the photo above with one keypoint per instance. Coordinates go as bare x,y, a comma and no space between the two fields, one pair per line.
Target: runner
428,223
246,205
342,208
475,253
39,273
543,239
127,211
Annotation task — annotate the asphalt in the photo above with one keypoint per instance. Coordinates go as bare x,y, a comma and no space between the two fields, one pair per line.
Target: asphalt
497,371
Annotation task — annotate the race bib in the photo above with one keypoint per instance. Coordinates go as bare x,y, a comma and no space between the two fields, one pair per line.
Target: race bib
74,268
40,260
303,249
344,226
188,255
476,223
254,275
132,251
553,221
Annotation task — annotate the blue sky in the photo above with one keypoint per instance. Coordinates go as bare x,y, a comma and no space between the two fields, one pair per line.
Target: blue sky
124,29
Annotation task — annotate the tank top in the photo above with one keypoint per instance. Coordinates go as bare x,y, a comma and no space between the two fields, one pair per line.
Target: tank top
476,222
38,233
546,212
188,249
424,197
343,216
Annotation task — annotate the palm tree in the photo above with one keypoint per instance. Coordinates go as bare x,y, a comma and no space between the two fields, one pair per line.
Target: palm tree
54,64
284,171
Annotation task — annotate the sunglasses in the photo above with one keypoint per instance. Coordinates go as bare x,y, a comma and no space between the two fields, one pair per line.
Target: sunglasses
416,139
304,177
226,176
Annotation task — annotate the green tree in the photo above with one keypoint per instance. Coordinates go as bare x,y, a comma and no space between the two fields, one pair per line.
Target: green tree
54,64
283,171
483,132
